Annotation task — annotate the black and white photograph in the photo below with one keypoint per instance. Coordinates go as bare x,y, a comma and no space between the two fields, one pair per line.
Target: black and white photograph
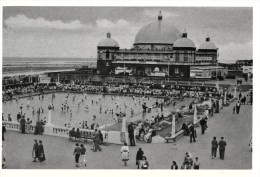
127,87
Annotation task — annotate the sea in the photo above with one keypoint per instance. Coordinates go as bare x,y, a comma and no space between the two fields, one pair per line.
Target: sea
10,61
14,66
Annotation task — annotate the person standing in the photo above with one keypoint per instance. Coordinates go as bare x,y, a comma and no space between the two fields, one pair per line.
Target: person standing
77,152
174,166
240,95
28,126
42,157
222,144
131,134
125,153
35,151
214,147
192,133
3,132
196,164
96,141
139,157
22,124
83,155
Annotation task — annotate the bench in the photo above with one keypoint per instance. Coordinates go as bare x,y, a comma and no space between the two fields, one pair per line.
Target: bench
174,138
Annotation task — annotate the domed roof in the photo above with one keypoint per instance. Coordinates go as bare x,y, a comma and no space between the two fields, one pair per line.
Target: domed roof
208,45
108,42
184,42
156,32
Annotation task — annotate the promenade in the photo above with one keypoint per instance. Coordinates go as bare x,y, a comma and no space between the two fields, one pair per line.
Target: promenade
235,128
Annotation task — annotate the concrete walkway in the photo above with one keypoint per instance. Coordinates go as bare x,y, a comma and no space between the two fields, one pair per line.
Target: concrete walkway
236,129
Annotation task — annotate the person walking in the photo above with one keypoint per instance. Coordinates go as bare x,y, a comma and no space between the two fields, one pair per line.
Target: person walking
192,133
145,163
83,155
139,157
3,132
131,134
214,147
125,153
35,151
222,145
196,164
42,157
203,125
77,152
174,166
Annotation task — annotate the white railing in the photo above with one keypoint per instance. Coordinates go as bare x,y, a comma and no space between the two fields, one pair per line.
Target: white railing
108,136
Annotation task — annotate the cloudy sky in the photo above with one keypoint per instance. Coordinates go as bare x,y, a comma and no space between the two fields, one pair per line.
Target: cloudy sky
76,31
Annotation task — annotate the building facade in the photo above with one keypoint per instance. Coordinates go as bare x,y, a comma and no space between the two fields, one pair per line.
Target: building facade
159,49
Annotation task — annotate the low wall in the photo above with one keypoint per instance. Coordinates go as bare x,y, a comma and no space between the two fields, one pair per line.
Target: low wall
113,137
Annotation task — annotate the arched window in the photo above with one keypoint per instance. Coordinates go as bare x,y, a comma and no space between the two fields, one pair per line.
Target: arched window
107,54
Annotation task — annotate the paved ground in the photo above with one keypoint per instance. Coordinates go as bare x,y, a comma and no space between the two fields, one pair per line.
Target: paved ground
236,129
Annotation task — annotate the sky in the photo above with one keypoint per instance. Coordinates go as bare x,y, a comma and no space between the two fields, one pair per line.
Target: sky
74,32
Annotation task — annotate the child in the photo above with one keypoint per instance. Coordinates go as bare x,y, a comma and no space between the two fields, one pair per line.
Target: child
196,164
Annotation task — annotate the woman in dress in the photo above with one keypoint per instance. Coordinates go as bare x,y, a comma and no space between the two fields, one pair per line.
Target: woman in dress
41,153
28,126
125,154
148,136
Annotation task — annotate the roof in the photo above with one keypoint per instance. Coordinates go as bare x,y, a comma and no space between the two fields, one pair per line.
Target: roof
208,45
158,32
184,42
108,42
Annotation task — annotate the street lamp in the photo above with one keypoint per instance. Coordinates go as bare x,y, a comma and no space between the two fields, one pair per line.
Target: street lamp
21,107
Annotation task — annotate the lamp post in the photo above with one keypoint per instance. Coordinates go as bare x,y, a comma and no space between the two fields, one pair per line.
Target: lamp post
168,70
49,115
173,125
124,70
21,107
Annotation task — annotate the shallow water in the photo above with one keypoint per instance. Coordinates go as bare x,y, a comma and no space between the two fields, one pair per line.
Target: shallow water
79,112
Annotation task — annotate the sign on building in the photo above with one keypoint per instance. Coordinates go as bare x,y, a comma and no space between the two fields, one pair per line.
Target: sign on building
203,58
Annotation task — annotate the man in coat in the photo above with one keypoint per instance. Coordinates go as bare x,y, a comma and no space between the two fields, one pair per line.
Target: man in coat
96,141
131,134
139,157
192,133
22,124
35,151
203,125
222,144
214,147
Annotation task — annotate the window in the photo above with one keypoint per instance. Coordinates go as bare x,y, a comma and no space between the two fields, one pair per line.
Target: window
176,70
177,57
186,56
107,54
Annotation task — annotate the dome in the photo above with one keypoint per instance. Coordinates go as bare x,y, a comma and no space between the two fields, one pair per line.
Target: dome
208,45
108,42
158,32
184,42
